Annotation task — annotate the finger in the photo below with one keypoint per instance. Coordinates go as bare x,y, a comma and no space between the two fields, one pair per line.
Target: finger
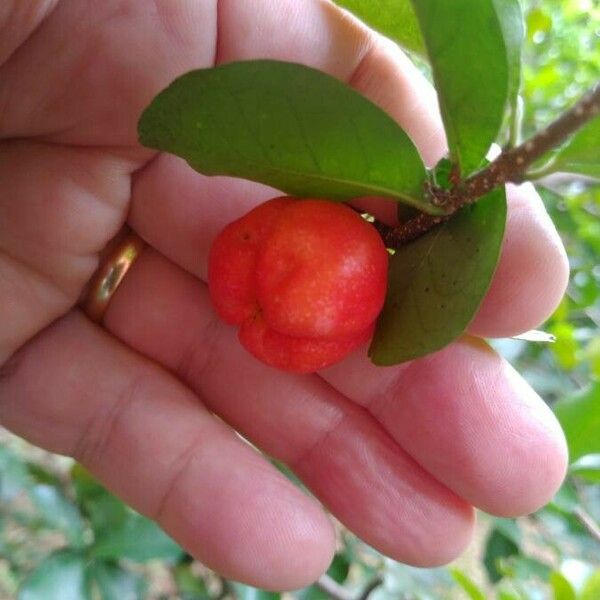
58,208
462,413
17,22
168,196
120,54
530,280
532,274
151,441
343,455
468,418
318,34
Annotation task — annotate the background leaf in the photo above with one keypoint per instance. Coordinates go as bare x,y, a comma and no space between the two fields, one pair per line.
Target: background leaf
58,512
467,584
587,467
60,577
579,416
288,126
115,583
246,592
119,531
498,546
14,477
561,587
472,93
189,585
137,538
394,18
581,153
437,282
591,589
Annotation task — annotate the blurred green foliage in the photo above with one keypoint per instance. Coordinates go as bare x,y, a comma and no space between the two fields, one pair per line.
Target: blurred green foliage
63,537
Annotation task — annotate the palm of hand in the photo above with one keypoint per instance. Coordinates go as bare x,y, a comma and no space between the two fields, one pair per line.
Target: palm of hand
400,455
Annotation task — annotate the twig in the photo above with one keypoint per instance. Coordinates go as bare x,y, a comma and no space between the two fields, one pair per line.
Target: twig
510,166
588,522
371,588
338,592
330,586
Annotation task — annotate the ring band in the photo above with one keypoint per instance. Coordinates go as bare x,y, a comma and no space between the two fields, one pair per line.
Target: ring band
110,274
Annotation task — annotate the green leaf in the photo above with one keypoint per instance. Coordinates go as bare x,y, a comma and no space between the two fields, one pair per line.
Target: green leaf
338,571
138,539
286,125
115,583
394,18
561,588
60,577
189,585
472,71
105,512
58,512
512,23
579,416
245,592
472,590
524,568
591,588
510,529
40,474
14,477
498,546
587,467
565,500
119,531
437,282
339,568
581,153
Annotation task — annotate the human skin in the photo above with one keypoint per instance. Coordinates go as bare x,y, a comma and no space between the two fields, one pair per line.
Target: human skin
400,455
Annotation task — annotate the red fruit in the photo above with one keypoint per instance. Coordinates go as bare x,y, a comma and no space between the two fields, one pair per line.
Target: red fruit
304,279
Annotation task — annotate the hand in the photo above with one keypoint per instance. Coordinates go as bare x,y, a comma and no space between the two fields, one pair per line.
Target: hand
400,455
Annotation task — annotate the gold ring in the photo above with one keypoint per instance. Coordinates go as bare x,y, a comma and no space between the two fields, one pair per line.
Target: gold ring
104,283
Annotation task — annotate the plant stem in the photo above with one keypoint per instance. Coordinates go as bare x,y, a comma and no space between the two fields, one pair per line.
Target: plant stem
338,592
330,586
511,166
588,522
371,587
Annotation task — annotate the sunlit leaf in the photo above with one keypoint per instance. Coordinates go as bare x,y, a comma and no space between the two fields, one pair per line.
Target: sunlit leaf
561,587
591,588
437,282
587,467
473,591
286,125
534,335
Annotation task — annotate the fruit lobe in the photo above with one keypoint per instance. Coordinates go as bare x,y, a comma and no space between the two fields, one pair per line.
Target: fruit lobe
303,279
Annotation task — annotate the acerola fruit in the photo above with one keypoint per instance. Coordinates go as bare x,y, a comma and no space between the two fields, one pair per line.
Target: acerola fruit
303,279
